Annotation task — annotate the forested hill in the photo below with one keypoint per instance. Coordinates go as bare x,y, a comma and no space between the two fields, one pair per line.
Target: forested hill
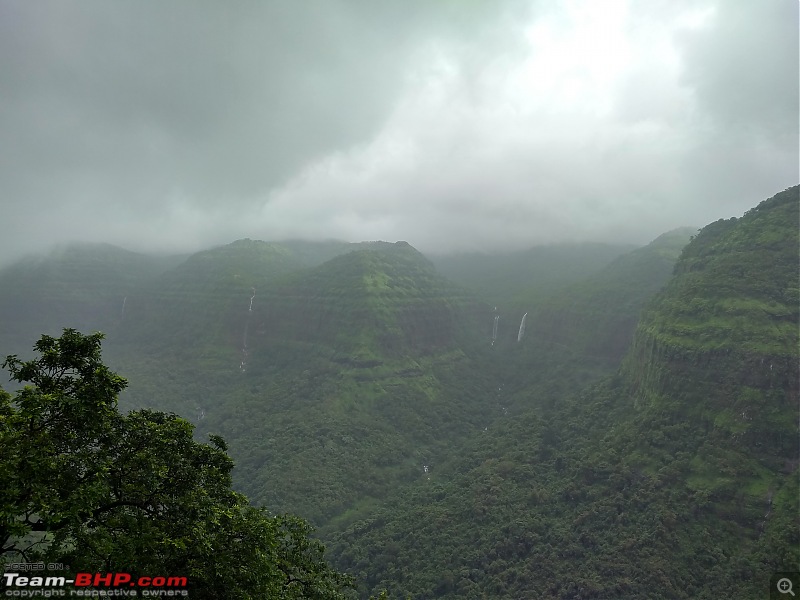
595,318
333,383
80,285
676,478
726,330
615,423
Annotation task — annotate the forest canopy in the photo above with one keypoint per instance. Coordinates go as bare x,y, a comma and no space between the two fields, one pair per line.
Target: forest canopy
82,484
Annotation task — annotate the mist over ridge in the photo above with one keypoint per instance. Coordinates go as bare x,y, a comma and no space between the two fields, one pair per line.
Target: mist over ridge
490,298
472,425
457,127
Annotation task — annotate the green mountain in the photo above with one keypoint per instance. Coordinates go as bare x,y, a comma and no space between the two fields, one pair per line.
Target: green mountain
205,303
128,295
637,437
80,285
675,478
194,305
720,346
594,319
353,375
379,303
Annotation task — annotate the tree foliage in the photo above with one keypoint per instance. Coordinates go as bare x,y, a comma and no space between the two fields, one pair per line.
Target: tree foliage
84,485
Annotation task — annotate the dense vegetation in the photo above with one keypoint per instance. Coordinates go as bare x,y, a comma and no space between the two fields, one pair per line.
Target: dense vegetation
358,387
676,478
85,486
599,318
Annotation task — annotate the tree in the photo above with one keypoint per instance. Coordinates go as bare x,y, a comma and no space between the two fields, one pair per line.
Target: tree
84,485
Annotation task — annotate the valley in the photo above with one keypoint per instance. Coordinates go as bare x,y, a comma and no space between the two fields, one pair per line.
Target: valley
640,439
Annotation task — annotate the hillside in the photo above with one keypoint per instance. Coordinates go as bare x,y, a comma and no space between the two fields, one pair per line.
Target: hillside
349,373
523,277
637,438
356,373
386,299
676,478
193,306
131,296
599,317
81,285
720,349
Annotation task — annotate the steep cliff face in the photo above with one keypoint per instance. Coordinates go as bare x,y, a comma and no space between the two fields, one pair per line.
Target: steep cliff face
720,343
675,478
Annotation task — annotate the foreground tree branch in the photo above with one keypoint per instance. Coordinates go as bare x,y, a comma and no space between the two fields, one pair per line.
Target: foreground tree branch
99,490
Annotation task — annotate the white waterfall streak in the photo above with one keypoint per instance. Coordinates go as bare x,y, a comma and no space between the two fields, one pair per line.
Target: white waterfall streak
494,328
124,300
522,327
243,365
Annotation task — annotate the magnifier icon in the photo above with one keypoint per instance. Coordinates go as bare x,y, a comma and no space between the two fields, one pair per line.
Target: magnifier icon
785,586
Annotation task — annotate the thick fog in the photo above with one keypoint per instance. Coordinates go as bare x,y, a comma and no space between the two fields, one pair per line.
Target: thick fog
452,125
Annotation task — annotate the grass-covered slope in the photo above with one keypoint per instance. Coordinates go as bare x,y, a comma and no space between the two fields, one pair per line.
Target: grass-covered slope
196,300
380,302
181,337
356,374
726,329
677,478
374,290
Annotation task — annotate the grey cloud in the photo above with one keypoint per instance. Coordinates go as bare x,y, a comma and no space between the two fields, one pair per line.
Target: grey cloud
744,69
183,124
192,95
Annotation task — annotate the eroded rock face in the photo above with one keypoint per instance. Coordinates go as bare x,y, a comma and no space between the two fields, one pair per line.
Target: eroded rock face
720,343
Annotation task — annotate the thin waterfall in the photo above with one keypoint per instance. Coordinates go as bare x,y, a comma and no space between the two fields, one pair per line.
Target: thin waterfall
522,327
243,364
494,328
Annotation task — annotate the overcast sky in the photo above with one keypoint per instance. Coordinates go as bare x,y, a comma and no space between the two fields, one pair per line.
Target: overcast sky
452,124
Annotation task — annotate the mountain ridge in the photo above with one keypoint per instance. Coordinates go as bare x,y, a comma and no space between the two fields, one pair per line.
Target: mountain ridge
673,496
443,455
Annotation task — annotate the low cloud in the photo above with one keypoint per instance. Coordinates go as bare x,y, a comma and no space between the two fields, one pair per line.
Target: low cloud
455,126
